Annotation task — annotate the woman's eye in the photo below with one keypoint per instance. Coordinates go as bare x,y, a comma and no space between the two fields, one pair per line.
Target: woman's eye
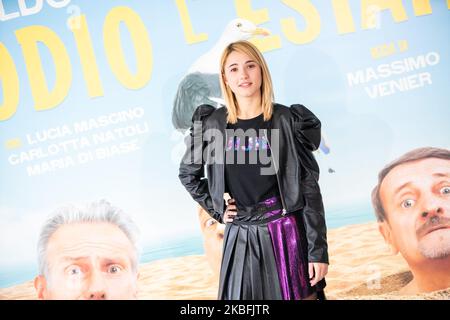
445,190
250,66
233,70
114,269
408,203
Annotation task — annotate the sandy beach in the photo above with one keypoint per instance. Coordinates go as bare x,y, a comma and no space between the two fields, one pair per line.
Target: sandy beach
361,267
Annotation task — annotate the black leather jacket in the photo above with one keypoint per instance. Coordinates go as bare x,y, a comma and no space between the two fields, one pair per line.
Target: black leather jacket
297,169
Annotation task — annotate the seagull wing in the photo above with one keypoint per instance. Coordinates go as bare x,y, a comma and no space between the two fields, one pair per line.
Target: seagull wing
194,89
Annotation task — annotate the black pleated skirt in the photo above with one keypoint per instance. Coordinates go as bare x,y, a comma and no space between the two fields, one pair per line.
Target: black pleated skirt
265,256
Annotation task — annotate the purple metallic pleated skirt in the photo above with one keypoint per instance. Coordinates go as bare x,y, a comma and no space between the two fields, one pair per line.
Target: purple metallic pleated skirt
265,256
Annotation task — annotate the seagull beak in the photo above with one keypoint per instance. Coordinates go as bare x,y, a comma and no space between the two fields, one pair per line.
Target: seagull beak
261,32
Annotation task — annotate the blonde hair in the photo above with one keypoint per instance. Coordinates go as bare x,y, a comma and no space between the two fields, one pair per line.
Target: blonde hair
267,96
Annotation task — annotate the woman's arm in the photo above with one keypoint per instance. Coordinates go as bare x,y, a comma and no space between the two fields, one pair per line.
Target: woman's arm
313,212
192,166
307,133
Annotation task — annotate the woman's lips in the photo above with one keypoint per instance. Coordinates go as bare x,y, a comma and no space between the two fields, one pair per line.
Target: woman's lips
245,84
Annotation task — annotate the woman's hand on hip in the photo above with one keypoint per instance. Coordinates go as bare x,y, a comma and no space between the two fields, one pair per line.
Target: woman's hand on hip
317,271
230,211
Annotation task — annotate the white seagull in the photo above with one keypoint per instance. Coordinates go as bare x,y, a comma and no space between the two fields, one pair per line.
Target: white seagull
201,84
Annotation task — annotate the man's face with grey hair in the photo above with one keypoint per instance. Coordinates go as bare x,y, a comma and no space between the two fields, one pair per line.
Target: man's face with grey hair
89,261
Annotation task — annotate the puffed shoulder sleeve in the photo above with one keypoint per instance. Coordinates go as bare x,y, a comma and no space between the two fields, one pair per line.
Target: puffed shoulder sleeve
192,171
306,126
202,112
307,132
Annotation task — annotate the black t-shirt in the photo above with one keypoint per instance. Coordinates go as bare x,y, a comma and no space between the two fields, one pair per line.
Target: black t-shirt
249,172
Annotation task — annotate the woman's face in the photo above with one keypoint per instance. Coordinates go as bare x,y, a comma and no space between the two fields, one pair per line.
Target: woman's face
243,75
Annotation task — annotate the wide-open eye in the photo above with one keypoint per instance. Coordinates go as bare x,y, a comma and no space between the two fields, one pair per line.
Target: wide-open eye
445,190
74,270
114,269
210,222
408,203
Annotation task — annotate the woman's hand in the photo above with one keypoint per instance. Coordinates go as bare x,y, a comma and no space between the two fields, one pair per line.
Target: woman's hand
230,211
317,271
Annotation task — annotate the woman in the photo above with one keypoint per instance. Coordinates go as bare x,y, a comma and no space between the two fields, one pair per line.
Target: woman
260,153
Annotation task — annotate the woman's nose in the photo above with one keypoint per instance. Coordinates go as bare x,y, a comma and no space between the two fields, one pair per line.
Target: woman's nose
244,74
